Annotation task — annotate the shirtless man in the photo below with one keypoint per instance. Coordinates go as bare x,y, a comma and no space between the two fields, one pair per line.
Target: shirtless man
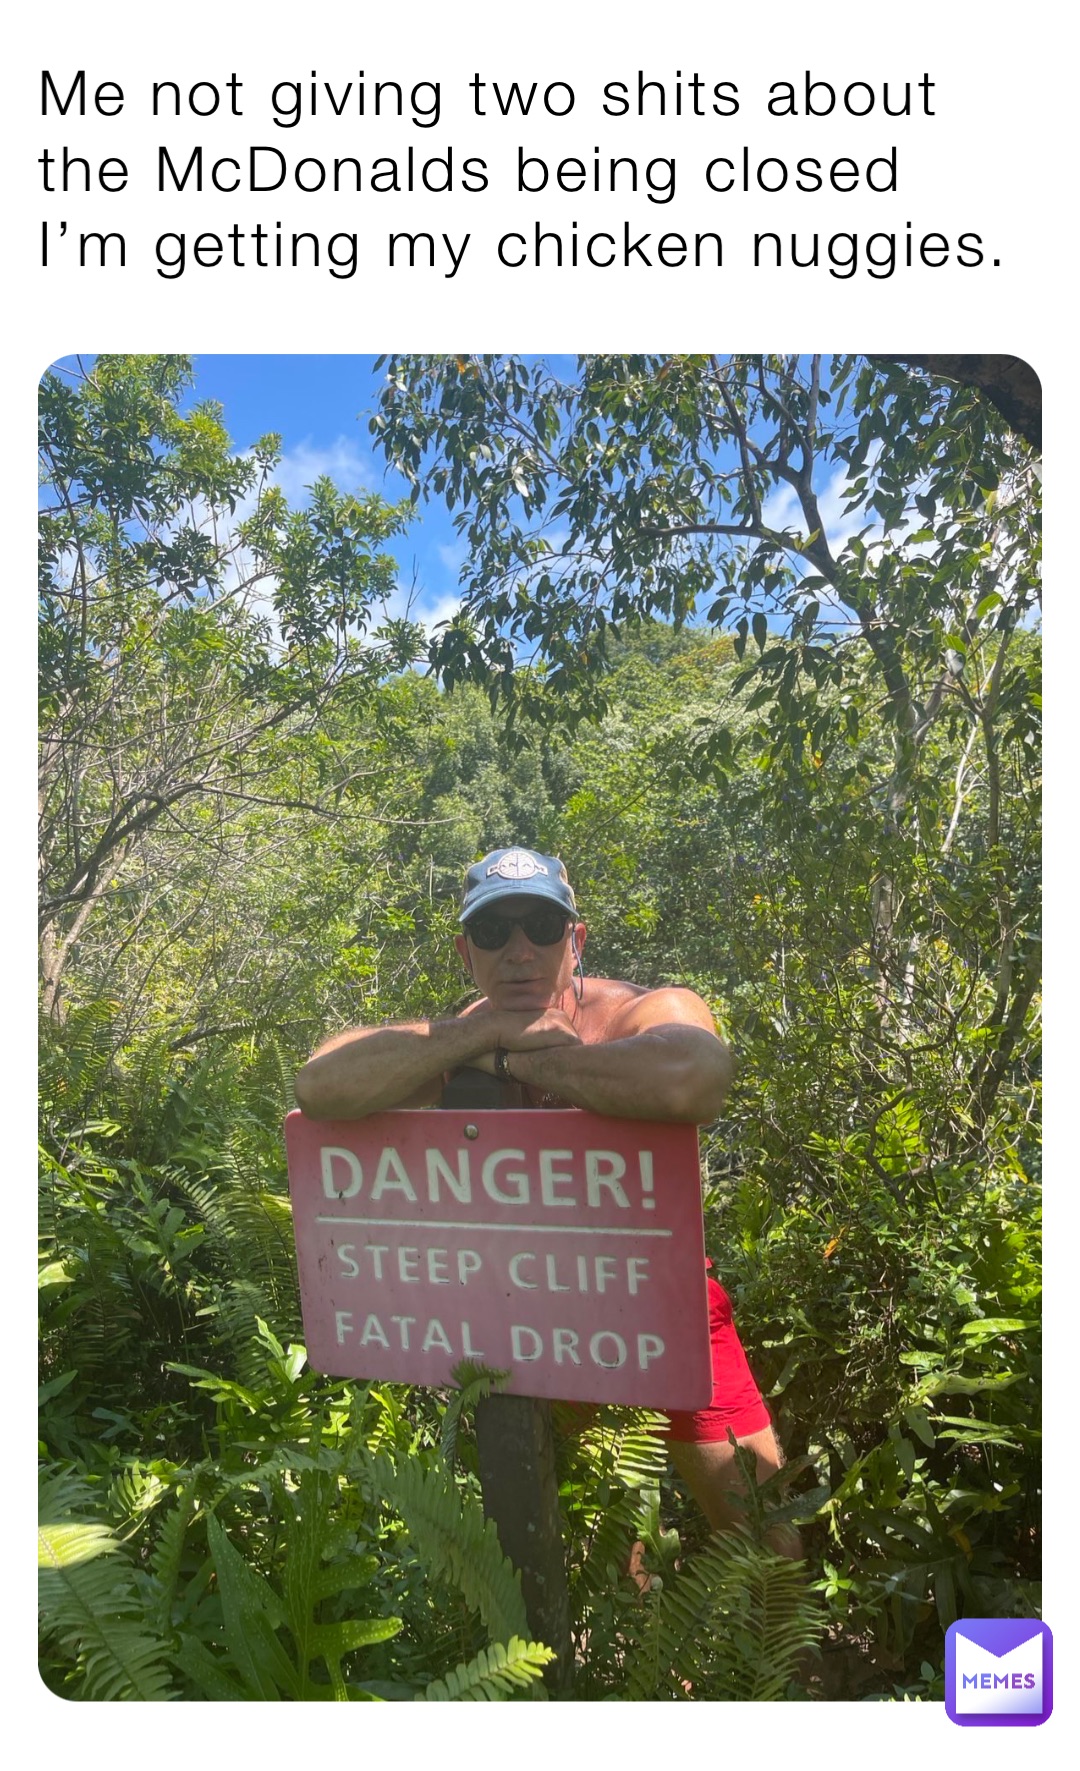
605,1045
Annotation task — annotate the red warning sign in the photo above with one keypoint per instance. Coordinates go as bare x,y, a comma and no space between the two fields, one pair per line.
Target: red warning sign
564,1248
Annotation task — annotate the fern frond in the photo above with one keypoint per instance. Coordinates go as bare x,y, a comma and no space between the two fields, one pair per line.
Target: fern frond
252,1613
624,1448
729,1626
607,1548
266,1088
315,1533
91,1612
61,1491
92,1625
475,1383
156,1092
610,1473
390,1428
66,1545
236,1307
248,1232
492,1675
454,1540
88,1323
76,1058
250,1658
167,1555
135,1492
208,1674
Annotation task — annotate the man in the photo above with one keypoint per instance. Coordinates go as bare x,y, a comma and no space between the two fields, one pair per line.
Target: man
553,1039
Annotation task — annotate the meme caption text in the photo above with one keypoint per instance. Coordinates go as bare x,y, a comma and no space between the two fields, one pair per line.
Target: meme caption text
730,155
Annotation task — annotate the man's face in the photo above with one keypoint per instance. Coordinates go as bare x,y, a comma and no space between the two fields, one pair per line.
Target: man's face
522,975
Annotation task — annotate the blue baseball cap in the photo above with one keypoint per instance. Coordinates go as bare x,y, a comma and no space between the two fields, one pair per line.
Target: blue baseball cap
516,873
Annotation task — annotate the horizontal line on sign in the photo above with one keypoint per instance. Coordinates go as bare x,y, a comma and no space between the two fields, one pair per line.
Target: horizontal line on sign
518,1229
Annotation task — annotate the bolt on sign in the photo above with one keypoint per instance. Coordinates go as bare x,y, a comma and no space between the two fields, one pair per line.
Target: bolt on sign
564,1248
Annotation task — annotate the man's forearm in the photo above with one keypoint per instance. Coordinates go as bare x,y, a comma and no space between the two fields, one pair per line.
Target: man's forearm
677,1072
373,1068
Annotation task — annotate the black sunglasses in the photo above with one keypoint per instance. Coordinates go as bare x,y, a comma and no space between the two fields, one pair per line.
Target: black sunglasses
543,927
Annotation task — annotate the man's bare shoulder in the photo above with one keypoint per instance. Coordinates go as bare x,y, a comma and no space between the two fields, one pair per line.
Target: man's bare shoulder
636,1009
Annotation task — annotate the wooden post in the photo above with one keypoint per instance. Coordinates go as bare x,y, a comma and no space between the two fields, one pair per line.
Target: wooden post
516,1449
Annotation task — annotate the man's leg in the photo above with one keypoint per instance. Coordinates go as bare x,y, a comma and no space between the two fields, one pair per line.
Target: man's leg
700,1447
714,1477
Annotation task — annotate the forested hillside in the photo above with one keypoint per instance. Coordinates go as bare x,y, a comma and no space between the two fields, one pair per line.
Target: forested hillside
816,802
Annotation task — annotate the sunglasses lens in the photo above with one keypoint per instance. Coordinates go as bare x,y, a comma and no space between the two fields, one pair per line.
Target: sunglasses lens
542,927
489,932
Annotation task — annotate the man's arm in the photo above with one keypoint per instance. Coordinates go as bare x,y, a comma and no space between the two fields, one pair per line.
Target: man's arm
661,1059
369,1069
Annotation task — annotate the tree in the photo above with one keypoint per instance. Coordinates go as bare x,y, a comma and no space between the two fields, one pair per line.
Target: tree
661,486
1009,382
186,616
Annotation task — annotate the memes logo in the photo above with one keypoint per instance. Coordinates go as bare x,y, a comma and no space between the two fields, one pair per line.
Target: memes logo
999,1672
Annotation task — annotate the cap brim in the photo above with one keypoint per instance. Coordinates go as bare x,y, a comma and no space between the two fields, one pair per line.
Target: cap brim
513,888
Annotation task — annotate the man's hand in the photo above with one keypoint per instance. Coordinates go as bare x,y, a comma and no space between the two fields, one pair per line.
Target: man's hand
533,1031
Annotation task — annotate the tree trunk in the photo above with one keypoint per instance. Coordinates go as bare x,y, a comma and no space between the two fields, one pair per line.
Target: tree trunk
54,955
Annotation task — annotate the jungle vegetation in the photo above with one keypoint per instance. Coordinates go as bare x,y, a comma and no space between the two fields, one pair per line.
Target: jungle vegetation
753,644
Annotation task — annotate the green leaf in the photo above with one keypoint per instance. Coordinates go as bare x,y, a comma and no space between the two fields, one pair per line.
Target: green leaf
920,1424
953,1384
67,1544
493,1674
252,1613
55,1273
332,1640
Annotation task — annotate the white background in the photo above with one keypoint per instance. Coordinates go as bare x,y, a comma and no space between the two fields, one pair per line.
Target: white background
997,159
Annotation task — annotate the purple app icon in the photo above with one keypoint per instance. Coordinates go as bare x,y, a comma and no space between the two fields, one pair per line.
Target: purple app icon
999,1672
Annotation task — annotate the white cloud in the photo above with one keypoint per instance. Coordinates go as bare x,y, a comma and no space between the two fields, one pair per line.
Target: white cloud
349,468
444,608
453,555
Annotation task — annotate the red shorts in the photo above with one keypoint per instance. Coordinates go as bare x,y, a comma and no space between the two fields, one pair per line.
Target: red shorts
736,1399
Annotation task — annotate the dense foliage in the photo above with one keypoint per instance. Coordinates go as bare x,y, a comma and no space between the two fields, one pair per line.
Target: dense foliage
254,822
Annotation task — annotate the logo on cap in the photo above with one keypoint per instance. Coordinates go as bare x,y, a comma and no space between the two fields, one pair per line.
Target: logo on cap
517,864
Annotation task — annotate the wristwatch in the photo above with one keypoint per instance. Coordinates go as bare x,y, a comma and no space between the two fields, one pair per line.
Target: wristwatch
502,1064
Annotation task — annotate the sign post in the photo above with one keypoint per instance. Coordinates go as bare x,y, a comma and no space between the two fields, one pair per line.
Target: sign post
515,1443
561,1247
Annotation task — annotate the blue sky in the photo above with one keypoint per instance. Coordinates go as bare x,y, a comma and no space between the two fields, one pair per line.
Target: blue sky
320,405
